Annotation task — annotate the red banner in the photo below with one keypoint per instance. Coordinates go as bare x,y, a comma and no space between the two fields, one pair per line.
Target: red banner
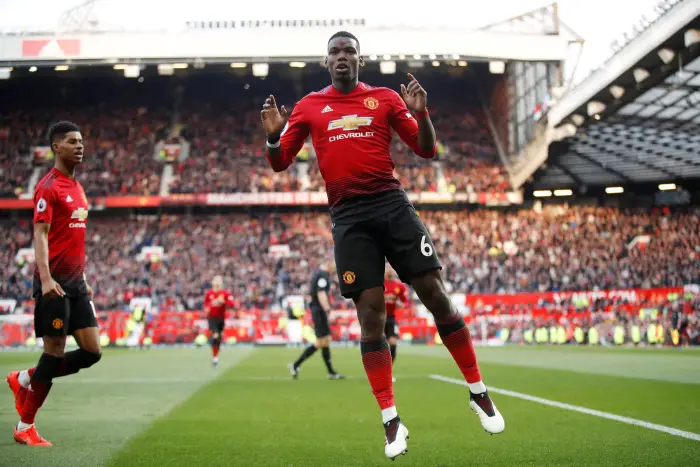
631,295
300,198
50,47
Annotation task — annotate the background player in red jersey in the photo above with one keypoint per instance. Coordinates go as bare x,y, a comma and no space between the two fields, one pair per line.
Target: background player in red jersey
61,294
216,300
351,129
395,291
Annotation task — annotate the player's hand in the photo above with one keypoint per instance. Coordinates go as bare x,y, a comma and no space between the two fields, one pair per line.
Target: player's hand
52,289
415,97
90,292
273,119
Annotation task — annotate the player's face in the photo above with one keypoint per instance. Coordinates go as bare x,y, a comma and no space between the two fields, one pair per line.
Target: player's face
217,283
343,59
70,148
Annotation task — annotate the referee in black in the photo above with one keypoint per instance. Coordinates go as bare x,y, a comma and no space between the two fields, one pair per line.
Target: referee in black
320,308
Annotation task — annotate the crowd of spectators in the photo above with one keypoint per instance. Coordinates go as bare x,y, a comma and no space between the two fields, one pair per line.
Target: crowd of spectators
482,251
218,116
560,249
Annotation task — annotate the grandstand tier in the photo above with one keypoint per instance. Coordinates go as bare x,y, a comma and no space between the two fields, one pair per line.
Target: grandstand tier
174,140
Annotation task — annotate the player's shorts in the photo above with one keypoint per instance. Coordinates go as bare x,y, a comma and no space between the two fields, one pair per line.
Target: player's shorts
399,236
216,325
321,326
61,316
390,327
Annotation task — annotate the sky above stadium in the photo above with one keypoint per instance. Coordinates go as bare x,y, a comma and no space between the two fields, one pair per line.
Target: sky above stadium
599,22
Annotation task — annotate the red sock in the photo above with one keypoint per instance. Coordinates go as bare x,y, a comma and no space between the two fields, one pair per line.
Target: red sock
455,336
376,359
215,350
34,400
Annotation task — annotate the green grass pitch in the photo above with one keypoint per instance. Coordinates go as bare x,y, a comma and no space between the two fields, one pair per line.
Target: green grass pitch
169,408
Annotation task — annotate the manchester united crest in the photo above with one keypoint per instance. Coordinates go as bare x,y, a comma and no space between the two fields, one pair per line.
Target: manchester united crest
57,323
348,277
371,103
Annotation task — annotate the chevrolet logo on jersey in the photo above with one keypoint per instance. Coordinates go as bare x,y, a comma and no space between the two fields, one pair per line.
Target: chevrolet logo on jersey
349,122
80,214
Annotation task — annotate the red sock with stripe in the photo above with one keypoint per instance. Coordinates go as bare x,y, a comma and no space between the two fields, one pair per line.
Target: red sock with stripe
376,359
456,338
40,385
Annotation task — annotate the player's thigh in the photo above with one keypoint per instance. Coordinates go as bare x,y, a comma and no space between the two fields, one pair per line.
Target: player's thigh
358,258
51,316
216,326
407,245
82,313
83,323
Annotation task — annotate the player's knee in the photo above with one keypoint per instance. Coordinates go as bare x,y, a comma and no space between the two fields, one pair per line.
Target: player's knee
55,346
87,359
430,289
371,320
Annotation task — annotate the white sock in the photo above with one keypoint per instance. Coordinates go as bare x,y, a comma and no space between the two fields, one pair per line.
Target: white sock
389,414
21,426
477,388
24,378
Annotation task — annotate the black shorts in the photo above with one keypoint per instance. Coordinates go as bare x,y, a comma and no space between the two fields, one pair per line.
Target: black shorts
390,327
399,236
61,316
321,326
217,325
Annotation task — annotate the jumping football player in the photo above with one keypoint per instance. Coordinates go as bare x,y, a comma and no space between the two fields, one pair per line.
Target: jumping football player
350,124
320,309
216,300
62,297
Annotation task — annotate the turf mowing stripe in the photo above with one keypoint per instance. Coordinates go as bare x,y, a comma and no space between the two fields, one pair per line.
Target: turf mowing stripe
576,408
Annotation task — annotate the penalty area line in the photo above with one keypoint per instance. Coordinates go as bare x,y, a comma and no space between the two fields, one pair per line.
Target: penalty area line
579,409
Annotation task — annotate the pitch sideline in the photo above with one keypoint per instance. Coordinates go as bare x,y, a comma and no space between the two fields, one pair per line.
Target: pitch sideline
579,409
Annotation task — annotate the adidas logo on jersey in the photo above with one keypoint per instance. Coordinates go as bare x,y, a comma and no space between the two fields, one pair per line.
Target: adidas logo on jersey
326,109
69,199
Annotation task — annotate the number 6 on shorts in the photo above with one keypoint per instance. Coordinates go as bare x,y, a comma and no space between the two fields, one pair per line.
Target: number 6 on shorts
425,247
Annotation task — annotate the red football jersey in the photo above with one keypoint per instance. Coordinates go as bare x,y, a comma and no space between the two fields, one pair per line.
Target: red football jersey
61,202
215,303
393,292
351,134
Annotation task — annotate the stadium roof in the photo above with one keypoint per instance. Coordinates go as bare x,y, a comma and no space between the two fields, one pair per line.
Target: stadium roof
650,133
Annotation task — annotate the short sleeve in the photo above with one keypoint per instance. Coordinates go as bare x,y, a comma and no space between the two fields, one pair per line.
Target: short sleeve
323,283
44,201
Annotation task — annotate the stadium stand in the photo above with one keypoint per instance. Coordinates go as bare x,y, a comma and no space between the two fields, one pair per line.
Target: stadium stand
483,251
215,116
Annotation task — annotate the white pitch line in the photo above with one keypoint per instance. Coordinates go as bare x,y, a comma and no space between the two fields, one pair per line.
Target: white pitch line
584,410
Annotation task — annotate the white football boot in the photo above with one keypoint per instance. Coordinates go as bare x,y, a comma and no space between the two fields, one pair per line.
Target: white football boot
491,419
396,435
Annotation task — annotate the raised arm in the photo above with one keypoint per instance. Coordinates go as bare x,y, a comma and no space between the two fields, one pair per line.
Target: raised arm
285,134
415,130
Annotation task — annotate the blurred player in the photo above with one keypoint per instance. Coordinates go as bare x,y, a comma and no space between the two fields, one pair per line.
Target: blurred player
320,309
395,291
216,300
351,129
62,297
